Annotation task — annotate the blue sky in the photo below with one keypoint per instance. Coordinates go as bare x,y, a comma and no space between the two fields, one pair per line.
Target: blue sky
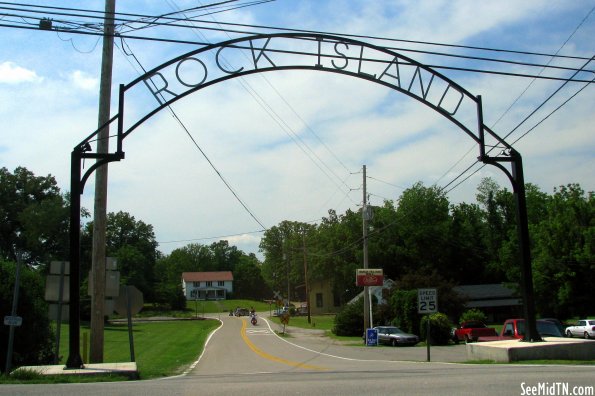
249,127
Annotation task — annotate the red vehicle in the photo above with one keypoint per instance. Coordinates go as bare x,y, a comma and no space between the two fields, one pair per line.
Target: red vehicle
515,329
471,331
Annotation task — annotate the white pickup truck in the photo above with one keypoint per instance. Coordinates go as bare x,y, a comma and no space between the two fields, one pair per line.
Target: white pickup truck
583,328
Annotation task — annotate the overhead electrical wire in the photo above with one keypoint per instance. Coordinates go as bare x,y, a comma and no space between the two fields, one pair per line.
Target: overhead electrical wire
524,134
202,152
587,82
289,131
356,36
581,23
274,28
305,53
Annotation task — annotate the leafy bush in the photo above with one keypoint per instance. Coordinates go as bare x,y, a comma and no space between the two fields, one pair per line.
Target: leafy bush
349,321
439,328
404,305
473,314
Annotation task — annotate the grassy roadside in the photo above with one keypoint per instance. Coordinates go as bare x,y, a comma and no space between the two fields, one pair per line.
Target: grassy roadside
161,349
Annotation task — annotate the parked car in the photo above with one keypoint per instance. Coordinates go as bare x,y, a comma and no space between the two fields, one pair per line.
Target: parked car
561,326
515,328
394,336
242,312
584,328
471,331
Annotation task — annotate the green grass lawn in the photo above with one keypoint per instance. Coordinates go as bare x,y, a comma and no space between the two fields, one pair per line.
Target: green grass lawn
161,348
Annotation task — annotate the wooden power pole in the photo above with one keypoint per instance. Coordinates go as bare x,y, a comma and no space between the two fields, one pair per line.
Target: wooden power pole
365,237
100,206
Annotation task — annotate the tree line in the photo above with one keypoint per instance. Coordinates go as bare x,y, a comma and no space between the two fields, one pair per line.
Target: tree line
423,236
419,236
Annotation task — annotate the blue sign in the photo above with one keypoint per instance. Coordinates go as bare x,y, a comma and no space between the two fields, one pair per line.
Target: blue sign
371,337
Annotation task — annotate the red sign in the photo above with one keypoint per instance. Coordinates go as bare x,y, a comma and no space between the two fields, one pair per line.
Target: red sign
369,277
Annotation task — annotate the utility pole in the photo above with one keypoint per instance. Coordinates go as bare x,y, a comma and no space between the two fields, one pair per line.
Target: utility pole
100,207
365,237
306,276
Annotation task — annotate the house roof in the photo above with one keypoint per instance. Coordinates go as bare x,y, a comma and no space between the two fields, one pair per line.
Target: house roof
486,292
207,276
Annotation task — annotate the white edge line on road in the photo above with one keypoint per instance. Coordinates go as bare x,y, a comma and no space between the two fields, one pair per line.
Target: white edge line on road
346,358
193,365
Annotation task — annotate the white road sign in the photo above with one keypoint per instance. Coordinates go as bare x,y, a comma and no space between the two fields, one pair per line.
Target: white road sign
427,301
13,320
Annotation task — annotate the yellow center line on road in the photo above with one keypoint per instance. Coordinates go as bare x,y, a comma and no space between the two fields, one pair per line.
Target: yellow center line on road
268,356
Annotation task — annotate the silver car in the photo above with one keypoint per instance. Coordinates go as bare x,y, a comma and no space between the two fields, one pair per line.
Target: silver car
394,336
583,328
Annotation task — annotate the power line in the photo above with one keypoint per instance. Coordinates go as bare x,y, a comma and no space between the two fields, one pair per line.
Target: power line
293,135
165,16
513,103
155,39
213,237
519,138
201,150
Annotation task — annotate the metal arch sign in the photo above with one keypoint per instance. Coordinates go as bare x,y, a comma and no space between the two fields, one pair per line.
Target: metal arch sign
209,65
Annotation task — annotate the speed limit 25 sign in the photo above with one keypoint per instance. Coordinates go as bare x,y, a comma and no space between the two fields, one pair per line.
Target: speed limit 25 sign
427,301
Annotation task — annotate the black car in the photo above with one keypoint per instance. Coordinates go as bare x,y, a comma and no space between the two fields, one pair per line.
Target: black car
242,312
394,336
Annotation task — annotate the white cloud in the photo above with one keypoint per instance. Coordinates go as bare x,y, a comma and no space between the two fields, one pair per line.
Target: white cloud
84,81
11,73
165,181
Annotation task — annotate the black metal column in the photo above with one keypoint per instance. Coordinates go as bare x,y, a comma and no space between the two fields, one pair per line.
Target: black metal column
531,333
74,357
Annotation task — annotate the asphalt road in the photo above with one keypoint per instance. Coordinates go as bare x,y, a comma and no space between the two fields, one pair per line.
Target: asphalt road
252,360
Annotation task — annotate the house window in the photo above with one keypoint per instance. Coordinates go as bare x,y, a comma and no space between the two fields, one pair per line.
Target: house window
319,303
209,283
221,283
196,284
193,294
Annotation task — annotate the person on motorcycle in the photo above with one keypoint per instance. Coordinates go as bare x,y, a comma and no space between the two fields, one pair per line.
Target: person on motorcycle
253,316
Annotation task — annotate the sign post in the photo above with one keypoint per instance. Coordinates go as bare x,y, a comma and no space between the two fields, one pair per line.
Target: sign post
427,303
129,302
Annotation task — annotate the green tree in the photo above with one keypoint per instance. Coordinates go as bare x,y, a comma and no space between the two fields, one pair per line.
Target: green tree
132,242
336,253
564,254
283,264
501,235
468,250
248,281
424,219
34,339
34,217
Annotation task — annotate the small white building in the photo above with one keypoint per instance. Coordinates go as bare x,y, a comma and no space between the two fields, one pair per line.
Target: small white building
207,285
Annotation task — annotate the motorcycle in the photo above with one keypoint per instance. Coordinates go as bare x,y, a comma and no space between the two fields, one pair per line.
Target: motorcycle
253,320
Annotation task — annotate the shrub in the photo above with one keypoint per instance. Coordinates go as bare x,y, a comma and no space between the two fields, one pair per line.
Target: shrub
404,304
439,328
349,321
473,315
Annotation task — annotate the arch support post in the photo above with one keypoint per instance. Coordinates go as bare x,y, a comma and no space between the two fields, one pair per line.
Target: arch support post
77,185
531,333
74,360
517,180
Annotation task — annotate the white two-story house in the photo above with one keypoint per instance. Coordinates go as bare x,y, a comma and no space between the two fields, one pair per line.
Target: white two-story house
207,285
